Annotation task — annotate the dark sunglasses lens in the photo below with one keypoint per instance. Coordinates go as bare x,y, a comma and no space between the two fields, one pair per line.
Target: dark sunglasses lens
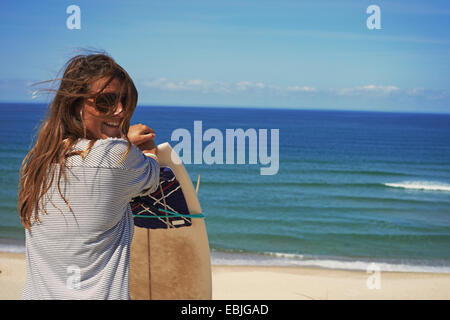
106,101
124,101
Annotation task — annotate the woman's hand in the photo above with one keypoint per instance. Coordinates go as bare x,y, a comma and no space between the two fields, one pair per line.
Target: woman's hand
140,133
143,137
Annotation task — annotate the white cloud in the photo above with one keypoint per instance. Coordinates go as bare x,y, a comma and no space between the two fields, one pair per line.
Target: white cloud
415,92
368,89
430,94
243,85
261,89
208,86
182,85
301,89
247,85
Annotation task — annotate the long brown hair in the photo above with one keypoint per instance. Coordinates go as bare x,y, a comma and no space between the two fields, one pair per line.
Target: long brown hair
63,127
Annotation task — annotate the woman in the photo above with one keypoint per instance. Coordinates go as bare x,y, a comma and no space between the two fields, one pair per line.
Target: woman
77,181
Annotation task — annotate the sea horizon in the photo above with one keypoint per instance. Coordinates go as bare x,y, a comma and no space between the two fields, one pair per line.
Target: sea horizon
281,108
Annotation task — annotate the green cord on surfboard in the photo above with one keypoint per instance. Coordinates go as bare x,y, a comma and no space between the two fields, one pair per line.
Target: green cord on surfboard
169,215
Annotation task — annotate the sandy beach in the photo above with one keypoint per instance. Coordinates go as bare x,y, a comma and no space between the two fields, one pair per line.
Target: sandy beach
286,283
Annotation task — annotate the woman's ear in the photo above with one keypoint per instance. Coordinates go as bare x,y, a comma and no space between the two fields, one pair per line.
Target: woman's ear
79,116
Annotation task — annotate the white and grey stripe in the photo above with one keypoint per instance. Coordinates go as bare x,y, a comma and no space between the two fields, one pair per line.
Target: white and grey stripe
85,254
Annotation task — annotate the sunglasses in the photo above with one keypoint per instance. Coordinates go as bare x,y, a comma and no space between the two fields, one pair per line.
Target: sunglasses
107,101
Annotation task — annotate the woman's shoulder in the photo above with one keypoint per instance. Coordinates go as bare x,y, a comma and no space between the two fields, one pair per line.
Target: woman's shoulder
108,153
82,143
108,145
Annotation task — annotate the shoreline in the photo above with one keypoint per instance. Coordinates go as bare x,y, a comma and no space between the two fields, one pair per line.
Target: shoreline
278,259
239,282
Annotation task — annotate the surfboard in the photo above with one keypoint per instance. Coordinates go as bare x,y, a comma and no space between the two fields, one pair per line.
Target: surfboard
170,257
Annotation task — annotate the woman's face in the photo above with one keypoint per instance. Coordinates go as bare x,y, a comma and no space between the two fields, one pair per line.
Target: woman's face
98,124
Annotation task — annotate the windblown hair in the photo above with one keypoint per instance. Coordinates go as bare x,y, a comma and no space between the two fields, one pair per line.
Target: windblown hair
63,127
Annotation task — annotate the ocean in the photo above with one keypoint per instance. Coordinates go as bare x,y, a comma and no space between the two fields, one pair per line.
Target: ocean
352,189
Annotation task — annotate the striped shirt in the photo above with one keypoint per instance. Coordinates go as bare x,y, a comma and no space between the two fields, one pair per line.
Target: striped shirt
85,254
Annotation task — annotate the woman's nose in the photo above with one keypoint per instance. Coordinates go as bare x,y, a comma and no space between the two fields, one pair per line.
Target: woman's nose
119,109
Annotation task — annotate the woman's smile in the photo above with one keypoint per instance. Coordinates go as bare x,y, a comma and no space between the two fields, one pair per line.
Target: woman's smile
111,128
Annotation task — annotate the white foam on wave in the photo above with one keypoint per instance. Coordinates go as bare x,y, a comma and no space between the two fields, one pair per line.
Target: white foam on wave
295,260
420,185
16,248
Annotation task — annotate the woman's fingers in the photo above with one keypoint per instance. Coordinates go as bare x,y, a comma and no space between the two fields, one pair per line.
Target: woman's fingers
145,138
148,137
140,133
147,130
140,128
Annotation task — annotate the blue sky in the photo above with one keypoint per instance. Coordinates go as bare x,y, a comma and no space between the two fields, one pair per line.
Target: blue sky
286,54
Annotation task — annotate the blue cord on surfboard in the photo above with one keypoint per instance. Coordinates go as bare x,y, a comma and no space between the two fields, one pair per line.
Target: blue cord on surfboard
170,214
